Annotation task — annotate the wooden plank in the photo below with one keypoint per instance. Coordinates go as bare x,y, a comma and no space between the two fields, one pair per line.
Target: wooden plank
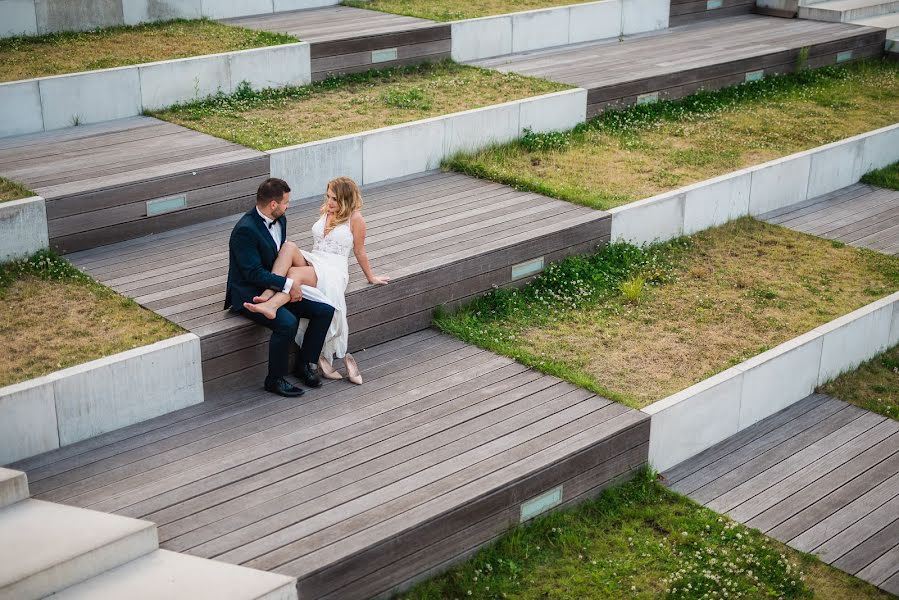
865,559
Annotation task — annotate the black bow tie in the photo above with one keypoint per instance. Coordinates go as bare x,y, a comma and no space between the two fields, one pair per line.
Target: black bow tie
272,224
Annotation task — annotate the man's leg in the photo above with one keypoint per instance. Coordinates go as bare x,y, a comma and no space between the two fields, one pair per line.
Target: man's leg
319,315
284,330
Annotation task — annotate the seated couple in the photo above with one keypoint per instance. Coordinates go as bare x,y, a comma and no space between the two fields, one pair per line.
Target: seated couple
274,283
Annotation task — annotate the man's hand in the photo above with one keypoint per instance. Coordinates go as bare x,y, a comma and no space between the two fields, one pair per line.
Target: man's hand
296,292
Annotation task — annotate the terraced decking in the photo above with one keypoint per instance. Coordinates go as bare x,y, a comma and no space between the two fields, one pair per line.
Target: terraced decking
443,237
859,215
821,476
347,40
356,490
97,179
681,60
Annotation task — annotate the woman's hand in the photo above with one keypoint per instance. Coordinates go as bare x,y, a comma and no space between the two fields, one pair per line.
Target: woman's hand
378,280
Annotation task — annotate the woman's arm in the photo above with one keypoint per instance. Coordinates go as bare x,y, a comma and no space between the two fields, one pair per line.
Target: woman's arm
357,226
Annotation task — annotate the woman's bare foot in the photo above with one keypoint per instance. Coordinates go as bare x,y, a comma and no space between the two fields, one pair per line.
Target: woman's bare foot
264,296
263,308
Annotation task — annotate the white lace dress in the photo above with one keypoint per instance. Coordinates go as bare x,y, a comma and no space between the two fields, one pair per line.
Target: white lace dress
330,259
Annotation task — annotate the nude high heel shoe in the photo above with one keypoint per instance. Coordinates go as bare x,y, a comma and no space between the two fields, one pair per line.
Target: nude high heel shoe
327,370
352,369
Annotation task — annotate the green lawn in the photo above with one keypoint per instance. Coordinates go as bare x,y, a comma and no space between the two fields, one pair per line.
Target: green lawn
639,540
873,386
73,52
624,156
10,190
887,177
637,325
52,316
454,10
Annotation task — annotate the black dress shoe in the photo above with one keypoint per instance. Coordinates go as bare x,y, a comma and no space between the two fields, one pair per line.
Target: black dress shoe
282,387
307,375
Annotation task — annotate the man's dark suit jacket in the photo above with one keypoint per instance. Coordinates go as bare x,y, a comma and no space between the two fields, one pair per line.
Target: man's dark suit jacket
251,255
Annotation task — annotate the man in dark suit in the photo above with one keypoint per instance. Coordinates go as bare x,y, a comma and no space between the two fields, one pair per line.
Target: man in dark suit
253,248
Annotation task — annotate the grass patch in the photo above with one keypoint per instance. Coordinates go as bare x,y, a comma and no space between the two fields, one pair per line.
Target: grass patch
874,385
706,303
887,177
73,52
639,540
53,316
622,156
454,10
10,190
351,103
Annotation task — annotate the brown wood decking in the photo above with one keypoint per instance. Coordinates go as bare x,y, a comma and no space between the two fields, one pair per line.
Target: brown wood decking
356,490
97,179
680,61
443,237
821,476
689,11
348,40
859,215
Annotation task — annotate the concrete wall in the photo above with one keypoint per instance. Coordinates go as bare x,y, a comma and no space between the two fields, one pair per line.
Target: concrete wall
31,17
419,146
474,39
702,415
756,190
23,228
64,100
99,396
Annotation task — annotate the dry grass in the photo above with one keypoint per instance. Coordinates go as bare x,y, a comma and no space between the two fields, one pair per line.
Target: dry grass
452,10
278,118
736,291
874,385
51,317
10,190
58,53
606,167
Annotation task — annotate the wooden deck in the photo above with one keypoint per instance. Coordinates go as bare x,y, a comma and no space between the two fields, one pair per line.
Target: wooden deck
821,476
356,490
684,12
443,237
859,215
348,40
682,60
97,179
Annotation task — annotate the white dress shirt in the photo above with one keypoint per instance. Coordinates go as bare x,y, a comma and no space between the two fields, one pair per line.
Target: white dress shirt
275,232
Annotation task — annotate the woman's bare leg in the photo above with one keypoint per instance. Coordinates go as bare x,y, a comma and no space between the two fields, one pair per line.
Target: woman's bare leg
269,308
289,256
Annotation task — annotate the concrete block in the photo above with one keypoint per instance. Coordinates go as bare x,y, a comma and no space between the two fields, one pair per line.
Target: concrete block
694,419
23,228
164,574
655,219
638,16
594,21
272,67
473,130
894,327
77,15
48,547
402,150
854,338
559,111
474,39
285,5
881,148
90,97
308,168
716,201
21,102
779,183
169,82
227,9
13,487
148,11
27,421
779,378
159,378
17,17
835,166
537,29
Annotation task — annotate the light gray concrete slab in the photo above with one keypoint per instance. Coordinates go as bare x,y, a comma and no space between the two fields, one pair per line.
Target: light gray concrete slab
17,17
308,168
22,112
77,15
23,228
168,82
13,487
271,67
27,421
91,97
474,39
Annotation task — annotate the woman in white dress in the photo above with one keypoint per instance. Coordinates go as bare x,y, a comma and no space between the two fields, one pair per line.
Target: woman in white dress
323,272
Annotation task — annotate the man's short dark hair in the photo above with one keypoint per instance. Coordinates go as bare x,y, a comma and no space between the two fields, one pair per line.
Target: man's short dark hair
271,189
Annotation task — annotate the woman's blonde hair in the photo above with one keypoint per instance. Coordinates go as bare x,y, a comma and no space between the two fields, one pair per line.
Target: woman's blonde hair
349,200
